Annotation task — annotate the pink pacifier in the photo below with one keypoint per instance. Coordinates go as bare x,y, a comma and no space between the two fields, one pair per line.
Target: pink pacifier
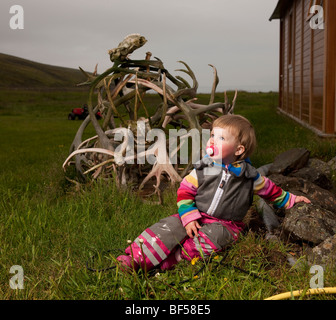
211,150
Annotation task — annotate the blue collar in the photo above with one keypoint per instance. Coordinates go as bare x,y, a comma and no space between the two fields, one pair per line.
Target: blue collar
234,167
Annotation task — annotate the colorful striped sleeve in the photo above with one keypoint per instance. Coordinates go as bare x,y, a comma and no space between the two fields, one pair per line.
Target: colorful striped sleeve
186,199
269,191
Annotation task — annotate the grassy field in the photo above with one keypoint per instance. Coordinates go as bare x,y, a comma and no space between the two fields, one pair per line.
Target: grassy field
51,229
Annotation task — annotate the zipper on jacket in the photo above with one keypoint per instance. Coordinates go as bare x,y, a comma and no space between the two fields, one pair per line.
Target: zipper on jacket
219,192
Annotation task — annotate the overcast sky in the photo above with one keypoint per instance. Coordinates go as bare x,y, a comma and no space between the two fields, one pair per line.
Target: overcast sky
235,36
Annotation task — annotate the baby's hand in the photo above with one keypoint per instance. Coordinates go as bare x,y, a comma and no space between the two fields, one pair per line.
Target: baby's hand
192,228
302,199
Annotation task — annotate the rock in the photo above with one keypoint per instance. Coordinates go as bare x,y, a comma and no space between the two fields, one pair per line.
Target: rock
293,159
264,170
332,164
324,253
287,183
269,218
315,176
309,222
299,186
320,165
315,223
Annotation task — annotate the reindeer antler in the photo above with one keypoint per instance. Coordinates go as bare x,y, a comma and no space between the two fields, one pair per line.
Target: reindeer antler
121,98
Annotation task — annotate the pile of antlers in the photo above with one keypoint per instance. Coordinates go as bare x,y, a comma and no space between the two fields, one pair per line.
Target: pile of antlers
121,92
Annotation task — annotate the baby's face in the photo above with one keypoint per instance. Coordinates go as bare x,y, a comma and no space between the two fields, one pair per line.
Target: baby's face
225,144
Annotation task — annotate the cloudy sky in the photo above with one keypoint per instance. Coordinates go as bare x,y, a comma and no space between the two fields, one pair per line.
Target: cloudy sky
235,36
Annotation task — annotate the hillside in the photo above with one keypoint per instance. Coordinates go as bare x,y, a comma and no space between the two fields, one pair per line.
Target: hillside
21,73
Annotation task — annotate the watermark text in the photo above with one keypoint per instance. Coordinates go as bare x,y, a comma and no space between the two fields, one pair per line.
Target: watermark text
16,282
317,20
317,280
17,19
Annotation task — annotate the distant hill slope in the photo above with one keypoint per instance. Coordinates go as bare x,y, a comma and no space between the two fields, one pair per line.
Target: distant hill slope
21,73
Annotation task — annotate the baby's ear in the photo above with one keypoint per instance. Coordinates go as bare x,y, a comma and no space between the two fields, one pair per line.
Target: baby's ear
240,150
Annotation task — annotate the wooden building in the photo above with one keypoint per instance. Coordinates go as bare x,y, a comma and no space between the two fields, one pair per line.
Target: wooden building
307,69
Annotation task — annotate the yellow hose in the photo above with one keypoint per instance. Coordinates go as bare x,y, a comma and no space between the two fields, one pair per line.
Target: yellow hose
296,293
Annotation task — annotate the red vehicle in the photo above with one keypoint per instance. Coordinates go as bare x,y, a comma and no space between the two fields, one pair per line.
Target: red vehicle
81,113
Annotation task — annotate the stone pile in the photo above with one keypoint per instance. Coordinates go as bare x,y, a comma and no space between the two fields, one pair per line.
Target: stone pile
313,224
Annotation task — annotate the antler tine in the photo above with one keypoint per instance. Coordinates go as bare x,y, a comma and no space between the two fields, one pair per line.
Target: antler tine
187,90
234,100
165,100
184,81
231,108
214,85
90,77
190,73
226,106
198,108
95,70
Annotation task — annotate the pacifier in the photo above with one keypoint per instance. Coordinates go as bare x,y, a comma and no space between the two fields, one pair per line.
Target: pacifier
211,150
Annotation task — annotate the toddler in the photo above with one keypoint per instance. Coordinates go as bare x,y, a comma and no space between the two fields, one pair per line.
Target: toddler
212,201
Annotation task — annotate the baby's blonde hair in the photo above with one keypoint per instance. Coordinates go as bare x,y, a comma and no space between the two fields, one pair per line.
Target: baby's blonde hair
242,129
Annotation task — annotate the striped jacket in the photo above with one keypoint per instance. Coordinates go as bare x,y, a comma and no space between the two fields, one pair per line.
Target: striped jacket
226,192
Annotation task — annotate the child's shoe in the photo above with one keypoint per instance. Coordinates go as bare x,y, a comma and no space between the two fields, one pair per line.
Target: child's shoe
127,264
171,260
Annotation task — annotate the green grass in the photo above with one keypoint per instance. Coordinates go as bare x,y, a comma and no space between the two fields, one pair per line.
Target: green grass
51,229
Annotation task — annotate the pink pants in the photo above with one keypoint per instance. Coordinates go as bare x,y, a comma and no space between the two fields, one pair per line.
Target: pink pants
155,244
